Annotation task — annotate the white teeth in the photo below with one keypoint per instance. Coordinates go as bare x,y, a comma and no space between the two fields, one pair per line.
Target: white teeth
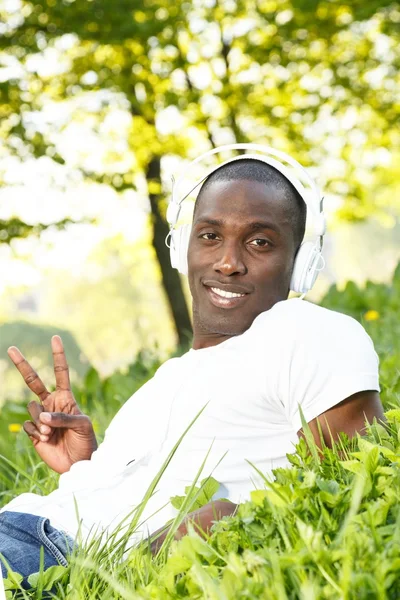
225,294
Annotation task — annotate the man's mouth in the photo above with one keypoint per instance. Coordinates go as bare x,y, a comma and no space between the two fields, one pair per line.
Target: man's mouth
225,294
223,298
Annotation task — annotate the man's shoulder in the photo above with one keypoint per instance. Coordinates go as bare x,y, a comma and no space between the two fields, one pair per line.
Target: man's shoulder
171,366
295,316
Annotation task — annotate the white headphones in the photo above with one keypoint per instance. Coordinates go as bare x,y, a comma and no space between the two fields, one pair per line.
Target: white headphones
309,260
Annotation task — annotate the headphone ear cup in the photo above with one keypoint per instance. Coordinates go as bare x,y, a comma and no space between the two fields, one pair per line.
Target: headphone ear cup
179,246
305,269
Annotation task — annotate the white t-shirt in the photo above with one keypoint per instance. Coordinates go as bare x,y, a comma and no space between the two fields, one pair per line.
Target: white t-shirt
250,386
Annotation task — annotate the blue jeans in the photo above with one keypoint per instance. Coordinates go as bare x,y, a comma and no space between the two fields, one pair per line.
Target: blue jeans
21,537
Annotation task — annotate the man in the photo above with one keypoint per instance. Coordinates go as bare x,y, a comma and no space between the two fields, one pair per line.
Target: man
257,359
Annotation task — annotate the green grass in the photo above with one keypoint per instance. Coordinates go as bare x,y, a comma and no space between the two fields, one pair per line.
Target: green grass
324,529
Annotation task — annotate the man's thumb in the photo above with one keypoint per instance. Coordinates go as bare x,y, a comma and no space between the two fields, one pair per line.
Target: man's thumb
62,420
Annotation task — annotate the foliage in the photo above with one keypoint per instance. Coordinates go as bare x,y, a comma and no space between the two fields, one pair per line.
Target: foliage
204,493
321,530
15,228
228,70
327,527
318,79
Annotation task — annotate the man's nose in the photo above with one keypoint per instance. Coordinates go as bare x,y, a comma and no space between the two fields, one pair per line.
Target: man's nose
230,261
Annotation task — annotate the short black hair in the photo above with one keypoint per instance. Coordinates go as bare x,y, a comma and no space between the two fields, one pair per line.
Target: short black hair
252,169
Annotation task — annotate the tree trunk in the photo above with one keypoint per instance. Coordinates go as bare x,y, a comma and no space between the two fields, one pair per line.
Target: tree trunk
170,277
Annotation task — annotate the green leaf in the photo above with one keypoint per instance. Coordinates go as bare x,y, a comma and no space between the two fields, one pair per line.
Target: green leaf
365,445
178,563
329,486
49,577
258,497
352,465
387,452
177,501
371,460
208,487
13,581
393,415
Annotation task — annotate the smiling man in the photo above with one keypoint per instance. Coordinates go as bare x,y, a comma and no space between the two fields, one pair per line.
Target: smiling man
257,359
246,230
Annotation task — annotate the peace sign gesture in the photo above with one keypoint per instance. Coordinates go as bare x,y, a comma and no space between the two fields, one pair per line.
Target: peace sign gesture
60,433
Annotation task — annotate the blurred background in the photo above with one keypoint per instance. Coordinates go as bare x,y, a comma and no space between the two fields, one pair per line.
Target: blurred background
102,101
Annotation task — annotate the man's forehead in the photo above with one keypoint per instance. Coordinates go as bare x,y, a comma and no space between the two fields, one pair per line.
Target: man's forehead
244,196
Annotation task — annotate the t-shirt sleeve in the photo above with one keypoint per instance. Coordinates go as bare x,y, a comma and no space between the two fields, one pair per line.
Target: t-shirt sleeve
330,356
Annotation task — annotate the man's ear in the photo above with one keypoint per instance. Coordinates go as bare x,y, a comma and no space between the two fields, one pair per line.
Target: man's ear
179,246
307,265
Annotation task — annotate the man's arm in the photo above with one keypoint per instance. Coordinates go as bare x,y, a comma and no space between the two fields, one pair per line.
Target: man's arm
202,520
349,417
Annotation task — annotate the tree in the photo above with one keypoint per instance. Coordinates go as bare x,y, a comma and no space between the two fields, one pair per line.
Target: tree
294,74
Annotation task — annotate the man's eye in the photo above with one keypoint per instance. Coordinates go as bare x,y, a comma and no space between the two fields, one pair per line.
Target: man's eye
209,236
260,243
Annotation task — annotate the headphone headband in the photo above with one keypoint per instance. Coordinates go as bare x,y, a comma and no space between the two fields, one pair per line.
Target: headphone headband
267,155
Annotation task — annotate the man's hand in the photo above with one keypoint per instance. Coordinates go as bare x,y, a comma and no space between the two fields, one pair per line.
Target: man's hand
202,520
61,434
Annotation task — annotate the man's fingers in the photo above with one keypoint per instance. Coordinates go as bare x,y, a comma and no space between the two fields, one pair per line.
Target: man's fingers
44,431
64,421
31,430
61,369
35,434
29,374
34,409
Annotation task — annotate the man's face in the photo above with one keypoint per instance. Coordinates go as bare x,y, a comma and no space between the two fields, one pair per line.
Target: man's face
240,258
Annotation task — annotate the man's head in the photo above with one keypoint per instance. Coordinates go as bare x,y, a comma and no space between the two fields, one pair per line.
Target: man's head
248,224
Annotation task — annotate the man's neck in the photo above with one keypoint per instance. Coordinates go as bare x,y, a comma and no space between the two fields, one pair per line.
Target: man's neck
206,340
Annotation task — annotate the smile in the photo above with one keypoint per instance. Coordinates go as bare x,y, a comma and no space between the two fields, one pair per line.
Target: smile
224,299
225,294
